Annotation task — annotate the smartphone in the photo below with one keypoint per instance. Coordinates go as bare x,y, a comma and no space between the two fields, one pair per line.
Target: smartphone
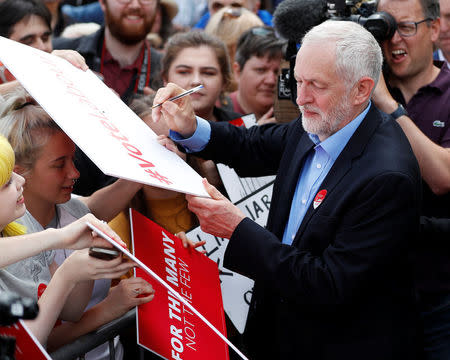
103,253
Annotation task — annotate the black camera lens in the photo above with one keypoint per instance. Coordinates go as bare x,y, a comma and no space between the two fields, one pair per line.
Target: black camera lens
381,25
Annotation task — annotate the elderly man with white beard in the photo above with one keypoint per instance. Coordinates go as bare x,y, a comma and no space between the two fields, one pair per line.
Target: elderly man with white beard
331,271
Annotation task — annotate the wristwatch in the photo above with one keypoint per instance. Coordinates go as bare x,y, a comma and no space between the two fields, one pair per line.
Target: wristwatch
400,111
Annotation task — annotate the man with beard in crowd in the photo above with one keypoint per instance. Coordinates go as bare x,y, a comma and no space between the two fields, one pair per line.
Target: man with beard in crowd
123,58
119,52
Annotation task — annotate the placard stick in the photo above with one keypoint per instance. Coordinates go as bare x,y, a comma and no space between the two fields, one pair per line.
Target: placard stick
167,286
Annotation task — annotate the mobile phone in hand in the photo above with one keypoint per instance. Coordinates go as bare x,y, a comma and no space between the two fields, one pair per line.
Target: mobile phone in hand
103,253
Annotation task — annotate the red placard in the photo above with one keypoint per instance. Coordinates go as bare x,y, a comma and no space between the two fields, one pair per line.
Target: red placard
165,325
27,346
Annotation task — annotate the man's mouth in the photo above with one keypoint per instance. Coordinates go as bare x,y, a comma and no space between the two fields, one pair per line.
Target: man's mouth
398,54
134,17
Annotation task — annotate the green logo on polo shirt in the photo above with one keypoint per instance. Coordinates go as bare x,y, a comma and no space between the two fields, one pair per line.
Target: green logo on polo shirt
438,123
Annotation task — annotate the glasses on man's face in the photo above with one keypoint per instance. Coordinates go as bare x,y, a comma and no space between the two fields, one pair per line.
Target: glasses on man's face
232,13
142,2
262,31
409,28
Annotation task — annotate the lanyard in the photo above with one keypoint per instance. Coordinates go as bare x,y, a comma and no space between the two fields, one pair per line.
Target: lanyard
143,78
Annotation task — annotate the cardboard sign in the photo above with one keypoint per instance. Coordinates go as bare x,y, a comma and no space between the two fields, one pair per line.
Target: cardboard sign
27,346
95,118
165,325
172,291
236,288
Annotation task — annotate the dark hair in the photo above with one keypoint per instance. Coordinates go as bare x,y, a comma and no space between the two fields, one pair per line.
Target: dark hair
430,8
196,39
14,11
141,104
258,41
167,28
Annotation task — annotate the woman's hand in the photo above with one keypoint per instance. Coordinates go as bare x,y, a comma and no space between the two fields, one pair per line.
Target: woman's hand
128,294
80,266
78,235
267,118
75,58
170,145
187,243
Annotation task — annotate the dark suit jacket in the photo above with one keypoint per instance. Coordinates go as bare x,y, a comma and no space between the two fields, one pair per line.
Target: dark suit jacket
343,290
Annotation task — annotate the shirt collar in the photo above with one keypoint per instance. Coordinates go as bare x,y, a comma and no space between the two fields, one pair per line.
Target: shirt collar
442,81
334,144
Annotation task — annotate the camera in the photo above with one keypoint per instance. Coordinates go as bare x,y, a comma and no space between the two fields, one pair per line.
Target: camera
13,307
381,25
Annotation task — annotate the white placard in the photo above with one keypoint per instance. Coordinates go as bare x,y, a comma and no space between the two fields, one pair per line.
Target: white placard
94,117
238,187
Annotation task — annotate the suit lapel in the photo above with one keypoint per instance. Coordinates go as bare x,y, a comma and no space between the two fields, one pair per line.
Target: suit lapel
343,164
281,207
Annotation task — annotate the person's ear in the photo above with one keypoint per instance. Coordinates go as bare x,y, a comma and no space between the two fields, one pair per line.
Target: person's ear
18,169
102,4
362,90
435,28
236,70
256,5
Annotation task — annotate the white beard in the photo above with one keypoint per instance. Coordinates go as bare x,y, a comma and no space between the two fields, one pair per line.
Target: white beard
329,123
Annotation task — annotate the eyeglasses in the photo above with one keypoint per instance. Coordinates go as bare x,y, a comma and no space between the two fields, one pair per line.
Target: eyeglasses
262,31
409,28
232,13
142,2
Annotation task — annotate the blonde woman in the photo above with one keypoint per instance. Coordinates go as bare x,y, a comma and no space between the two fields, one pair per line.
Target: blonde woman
44,156
26,260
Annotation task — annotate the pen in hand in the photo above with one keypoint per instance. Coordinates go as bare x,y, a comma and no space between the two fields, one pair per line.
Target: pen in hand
183,94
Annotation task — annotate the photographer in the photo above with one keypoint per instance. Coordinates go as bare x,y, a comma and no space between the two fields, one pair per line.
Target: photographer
422,87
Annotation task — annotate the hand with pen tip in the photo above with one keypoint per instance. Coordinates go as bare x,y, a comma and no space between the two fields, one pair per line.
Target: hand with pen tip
179,114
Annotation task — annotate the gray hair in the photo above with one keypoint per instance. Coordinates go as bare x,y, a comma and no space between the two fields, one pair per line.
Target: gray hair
26,125
358,54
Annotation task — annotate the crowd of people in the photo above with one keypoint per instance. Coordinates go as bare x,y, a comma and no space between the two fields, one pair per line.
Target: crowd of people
354,262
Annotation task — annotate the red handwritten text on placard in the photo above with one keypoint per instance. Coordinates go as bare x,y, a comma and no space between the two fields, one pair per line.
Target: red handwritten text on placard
132,150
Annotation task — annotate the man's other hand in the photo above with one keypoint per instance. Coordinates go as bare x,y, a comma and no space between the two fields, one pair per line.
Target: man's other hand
217,216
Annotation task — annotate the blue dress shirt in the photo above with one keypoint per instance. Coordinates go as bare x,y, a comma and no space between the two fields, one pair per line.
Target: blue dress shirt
315,168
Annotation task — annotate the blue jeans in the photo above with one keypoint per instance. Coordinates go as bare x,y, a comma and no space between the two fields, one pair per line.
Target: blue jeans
435,316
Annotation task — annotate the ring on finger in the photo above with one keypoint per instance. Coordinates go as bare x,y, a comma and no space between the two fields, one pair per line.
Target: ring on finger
137,291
